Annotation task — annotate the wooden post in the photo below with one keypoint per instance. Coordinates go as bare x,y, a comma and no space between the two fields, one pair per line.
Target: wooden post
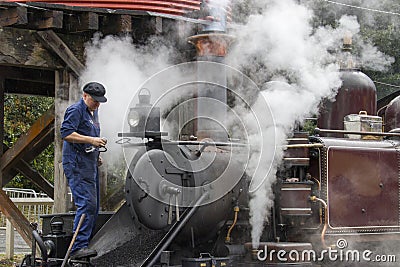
62,86
9,240
1,123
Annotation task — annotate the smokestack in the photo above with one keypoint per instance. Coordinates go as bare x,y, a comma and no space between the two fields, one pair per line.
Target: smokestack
347,62
211,46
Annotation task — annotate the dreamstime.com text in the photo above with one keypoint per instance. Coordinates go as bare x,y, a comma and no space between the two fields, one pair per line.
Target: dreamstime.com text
338,254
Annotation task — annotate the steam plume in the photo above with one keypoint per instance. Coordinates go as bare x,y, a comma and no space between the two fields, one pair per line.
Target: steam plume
122,67
279,43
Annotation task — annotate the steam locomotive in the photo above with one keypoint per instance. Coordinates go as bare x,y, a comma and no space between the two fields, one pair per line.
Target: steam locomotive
336,194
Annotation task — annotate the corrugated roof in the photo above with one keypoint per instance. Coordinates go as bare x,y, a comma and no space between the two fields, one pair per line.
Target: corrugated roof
174,7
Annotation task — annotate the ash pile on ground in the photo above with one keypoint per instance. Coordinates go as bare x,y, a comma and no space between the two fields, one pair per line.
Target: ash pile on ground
133,252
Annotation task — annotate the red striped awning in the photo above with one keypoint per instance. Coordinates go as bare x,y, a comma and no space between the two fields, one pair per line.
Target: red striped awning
174,7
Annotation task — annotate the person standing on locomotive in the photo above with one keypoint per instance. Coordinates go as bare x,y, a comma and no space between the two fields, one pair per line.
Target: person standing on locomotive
80,131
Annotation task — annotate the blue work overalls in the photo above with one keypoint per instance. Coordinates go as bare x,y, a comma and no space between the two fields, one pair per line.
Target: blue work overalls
80,168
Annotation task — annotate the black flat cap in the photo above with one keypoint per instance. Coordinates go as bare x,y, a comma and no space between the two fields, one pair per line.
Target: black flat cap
96,91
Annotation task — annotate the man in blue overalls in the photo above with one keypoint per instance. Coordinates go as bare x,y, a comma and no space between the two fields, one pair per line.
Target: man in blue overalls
80,131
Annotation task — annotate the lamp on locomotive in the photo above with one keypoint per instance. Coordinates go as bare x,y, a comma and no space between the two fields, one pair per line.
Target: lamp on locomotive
144,118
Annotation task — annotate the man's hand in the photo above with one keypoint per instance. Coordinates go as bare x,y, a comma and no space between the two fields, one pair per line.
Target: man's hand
98,142
84,139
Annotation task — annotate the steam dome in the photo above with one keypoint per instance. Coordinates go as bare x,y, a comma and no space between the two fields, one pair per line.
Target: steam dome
357,93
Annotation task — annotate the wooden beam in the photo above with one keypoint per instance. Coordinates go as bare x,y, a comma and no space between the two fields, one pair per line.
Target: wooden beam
30,81
14,16
28,88
45,19
34,134
7,176
26,170
35,150
28,74
51,40
42,144
117,23
21,47
147,26
81,22
14,215
1,121
23,167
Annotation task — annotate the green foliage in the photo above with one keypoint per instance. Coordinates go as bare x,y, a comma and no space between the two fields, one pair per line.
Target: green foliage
309,126
387,40
20,112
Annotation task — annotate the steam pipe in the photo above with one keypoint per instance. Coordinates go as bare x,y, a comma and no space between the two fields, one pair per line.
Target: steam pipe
42,247
172,233
309,177
188,143
33,256
314,198
304,146
317,131
228,235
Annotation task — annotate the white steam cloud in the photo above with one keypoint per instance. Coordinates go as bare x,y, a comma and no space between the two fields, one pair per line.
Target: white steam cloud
367,14
122,67
280,44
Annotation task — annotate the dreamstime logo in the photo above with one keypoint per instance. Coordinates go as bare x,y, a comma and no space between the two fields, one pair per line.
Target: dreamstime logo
216,101
339,253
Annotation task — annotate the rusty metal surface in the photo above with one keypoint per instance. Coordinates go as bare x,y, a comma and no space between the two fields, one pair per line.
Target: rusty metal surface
297,152
362,186
174,7
211,44
294,198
